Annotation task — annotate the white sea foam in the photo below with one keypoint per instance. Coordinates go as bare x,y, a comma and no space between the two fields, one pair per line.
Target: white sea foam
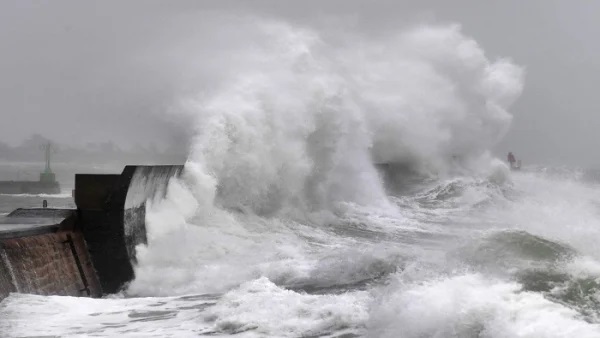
266,309
213,252
459,306
255,309
557,208
472,306
39,195
287,144
31,315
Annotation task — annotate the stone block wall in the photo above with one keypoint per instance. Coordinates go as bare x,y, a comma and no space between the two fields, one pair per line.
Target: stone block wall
49,264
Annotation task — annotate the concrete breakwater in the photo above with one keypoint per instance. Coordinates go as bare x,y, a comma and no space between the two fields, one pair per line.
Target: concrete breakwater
88,251
49,264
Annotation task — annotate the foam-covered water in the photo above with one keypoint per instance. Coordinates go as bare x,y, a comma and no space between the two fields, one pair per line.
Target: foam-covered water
343,188
9,203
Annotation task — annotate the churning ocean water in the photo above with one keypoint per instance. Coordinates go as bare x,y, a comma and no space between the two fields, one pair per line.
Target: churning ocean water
348,190
461,257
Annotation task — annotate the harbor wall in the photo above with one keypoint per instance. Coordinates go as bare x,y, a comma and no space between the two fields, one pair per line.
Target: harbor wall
47,264
89,251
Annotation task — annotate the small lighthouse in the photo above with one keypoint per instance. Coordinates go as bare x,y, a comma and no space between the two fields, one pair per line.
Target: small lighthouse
48,176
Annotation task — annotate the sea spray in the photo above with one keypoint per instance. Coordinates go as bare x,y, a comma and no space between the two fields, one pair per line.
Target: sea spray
472,306
286,145
300,123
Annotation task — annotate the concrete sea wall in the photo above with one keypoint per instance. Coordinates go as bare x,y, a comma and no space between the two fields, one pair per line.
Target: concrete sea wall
47,264
85,252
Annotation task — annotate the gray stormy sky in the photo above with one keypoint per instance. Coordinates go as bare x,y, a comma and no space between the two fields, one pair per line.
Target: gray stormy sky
80,71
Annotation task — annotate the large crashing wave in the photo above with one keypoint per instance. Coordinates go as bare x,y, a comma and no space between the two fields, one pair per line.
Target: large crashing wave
287,141
301,120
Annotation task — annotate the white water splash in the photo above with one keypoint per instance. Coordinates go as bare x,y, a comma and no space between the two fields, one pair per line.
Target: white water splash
473,306
300,122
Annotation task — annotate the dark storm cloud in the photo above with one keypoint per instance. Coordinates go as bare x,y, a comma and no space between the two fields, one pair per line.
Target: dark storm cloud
81,71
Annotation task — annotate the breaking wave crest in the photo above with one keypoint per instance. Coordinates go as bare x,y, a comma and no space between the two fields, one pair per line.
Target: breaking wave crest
357,171
286,144
299,124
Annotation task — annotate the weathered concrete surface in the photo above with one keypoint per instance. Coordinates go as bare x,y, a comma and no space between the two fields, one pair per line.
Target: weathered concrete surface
6,281
40,253
101,222
111,210
34,221
47,264
85,252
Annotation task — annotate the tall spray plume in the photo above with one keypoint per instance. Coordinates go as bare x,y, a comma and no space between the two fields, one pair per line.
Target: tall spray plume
299,118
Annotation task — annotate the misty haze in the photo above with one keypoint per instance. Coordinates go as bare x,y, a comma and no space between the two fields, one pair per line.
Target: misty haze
265,168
